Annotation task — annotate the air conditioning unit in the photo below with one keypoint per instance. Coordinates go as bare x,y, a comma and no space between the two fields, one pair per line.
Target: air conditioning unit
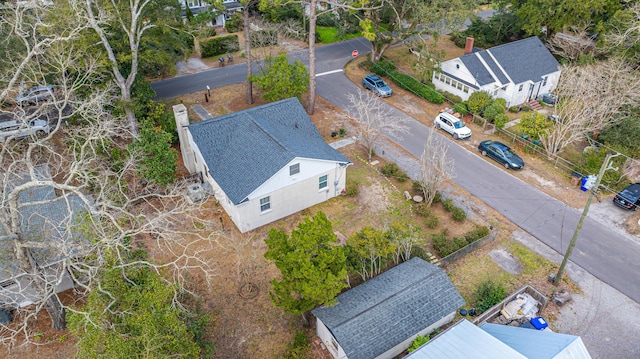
197,192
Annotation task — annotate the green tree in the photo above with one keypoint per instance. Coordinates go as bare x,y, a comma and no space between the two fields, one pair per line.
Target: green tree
394,21
478,101
535,124
132,315
312,265
279,79
556,15
158,159
373,247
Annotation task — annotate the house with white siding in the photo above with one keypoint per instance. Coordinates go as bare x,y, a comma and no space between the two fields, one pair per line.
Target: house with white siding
518,72
263,163
230,7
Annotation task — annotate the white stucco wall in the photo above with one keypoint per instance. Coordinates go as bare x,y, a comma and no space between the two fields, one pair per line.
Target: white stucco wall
295,196
329,341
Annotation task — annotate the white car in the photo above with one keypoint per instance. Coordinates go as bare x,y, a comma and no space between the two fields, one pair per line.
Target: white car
18,129
453,125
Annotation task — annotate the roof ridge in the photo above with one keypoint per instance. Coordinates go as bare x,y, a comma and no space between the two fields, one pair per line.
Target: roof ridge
387,298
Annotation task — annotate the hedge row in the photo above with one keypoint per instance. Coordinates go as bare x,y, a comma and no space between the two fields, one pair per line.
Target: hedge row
219,45
385,68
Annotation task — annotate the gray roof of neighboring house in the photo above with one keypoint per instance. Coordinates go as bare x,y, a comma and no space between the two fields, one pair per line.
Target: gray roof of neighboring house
522,60
244,149
388,309
44,218
465,340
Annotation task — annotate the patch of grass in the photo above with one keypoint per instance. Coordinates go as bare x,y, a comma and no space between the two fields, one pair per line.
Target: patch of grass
532,263
329,35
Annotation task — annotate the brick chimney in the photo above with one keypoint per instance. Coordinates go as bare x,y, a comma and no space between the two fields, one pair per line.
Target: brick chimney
468,46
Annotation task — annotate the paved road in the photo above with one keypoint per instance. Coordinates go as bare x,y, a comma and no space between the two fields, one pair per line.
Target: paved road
605,253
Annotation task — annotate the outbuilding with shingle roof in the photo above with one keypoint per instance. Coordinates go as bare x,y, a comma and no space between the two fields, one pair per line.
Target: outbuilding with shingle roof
381,317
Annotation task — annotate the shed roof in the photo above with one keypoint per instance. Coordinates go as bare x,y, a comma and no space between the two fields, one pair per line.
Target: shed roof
244,149
388,309
524,60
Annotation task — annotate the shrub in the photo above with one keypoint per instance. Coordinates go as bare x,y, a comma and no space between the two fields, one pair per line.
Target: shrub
458,214
478,101
476,233
493,109
235,23
353,186
391,169
451,97
500,120
487,294
461,108
416,186
438,197
431,221
299,348
219,45
383,68
514,109
500,102
448,205
418,342
422,209
410,84
263,38
441,244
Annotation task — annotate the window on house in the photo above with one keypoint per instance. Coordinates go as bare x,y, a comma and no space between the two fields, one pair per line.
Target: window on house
323,182
544,81
520,88
294,169
459,86
465,89
447,81
265,204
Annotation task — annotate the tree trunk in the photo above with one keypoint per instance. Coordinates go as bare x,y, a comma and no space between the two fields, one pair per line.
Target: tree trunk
312,57
247,49
56,312
131,118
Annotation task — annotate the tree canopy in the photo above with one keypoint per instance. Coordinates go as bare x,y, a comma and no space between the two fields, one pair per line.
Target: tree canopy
313,267
279,79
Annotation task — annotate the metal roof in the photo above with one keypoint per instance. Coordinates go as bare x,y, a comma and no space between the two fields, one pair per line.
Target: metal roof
390,308
244,149
462,341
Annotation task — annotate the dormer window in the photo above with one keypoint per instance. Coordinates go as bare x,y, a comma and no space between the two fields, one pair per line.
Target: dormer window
294,169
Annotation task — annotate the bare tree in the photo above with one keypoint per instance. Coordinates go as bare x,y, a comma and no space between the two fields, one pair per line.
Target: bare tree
435,166
572,45
374,119
64,203
623,33
591,99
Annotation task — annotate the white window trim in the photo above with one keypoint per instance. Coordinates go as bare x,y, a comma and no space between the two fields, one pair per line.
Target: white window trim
326,183
268,202
296,165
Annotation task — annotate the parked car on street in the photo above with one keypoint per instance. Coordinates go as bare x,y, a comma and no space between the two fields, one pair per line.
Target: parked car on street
628,198
453,125
19,129
35,95
377,85
501,153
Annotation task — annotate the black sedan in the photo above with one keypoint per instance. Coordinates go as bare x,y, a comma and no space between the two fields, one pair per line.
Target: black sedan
628,198
501,153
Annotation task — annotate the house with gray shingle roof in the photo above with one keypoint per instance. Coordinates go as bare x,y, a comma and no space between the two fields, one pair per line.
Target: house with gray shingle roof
518,72
381,317
263,163
49,223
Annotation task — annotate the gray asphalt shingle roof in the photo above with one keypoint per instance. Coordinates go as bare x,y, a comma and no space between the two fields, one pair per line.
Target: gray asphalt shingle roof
386,310
523,60
45,218
244,149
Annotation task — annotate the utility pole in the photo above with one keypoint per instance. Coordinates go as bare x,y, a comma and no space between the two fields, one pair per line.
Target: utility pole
606,165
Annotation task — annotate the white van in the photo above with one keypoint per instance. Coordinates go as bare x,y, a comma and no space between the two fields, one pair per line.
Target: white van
17,129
